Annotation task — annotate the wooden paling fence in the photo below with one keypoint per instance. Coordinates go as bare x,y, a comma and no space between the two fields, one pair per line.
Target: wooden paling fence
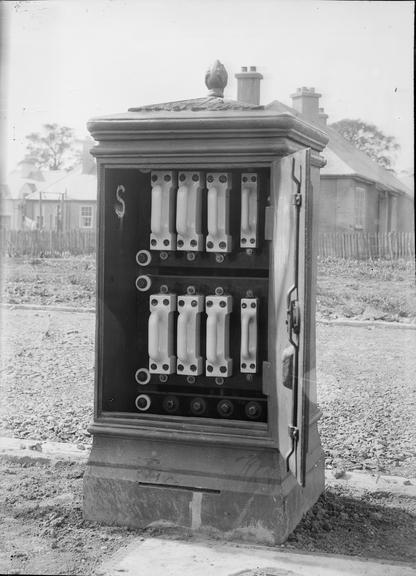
358,246
47,243
365,245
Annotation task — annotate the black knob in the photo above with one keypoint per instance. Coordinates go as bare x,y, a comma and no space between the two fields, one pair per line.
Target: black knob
225,408
171,404
253,410
198,406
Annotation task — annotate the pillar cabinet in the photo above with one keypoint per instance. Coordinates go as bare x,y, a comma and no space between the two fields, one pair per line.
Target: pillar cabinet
205,398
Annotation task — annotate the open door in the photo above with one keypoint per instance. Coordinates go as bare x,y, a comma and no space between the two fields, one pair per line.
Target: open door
290,189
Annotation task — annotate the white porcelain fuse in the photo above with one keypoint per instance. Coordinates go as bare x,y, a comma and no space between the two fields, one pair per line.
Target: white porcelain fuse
218,309
161,334
162,219
248,231
189,211
248,350
219,186
189,361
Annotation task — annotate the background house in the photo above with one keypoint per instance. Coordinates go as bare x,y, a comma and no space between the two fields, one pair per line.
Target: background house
357,194
68,203
51,199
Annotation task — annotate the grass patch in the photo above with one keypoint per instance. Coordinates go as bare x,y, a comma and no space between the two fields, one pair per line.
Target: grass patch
366,290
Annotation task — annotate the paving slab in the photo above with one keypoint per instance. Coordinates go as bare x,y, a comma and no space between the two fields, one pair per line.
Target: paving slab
162,557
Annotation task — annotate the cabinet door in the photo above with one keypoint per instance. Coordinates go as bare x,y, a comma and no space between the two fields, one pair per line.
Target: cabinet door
290,242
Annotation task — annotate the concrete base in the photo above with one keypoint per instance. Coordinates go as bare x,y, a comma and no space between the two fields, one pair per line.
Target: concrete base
161,557
235,492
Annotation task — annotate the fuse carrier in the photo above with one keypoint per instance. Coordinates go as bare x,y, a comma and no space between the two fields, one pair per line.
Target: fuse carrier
201,285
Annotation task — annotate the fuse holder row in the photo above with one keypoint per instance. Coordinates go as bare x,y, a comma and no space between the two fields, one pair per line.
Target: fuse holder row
200,406
188,360
182,194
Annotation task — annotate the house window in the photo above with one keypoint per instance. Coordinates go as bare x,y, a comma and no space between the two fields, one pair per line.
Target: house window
85,217
359,208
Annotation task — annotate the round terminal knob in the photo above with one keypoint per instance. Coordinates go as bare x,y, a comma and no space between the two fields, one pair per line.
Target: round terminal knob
225,408
143,283
143,257
171,404
143,402
142,376
253,410
198,406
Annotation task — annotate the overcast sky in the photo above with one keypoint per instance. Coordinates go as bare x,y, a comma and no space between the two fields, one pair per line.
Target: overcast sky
68,61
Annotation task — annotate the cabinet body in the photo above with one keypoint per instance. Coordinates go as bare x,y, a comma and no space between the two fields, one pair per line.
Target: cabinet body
205,403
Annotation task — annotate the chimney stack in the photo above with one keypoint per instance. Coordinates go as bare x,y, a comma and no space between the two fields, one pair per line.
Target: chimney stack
306,101
248,85
322,117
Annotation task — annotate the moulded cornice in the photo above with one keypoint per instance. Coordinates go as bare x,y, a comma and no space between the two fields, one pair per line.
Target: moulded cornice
201,132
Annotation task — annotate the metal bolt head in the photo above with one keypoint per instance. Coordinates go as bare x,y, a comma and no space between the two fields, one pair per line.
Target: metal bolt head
219,258
164,289
190,256
182,177
164,255
191,290
167,178
219,291
154,177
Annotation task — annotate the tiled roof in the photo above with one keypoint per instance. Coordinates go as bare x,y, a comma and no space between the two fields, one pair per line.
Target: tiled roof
75,185
343,159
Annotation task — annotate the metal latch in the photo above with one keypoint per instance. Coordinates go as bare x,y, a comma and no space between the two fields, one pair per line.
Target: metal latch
293,319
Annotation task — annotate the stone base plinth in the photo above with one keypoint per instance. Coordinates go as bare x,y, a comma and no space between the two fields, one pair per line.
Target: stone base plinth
241,492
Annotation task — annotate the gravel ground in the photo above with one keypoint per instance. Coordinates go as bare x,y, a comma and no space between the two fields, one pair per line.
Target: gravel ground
367,392
366,387
47,375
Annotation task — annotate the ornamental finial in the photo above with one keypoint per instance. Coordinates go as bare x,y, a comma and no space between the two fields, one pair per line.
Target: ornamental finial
216,79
